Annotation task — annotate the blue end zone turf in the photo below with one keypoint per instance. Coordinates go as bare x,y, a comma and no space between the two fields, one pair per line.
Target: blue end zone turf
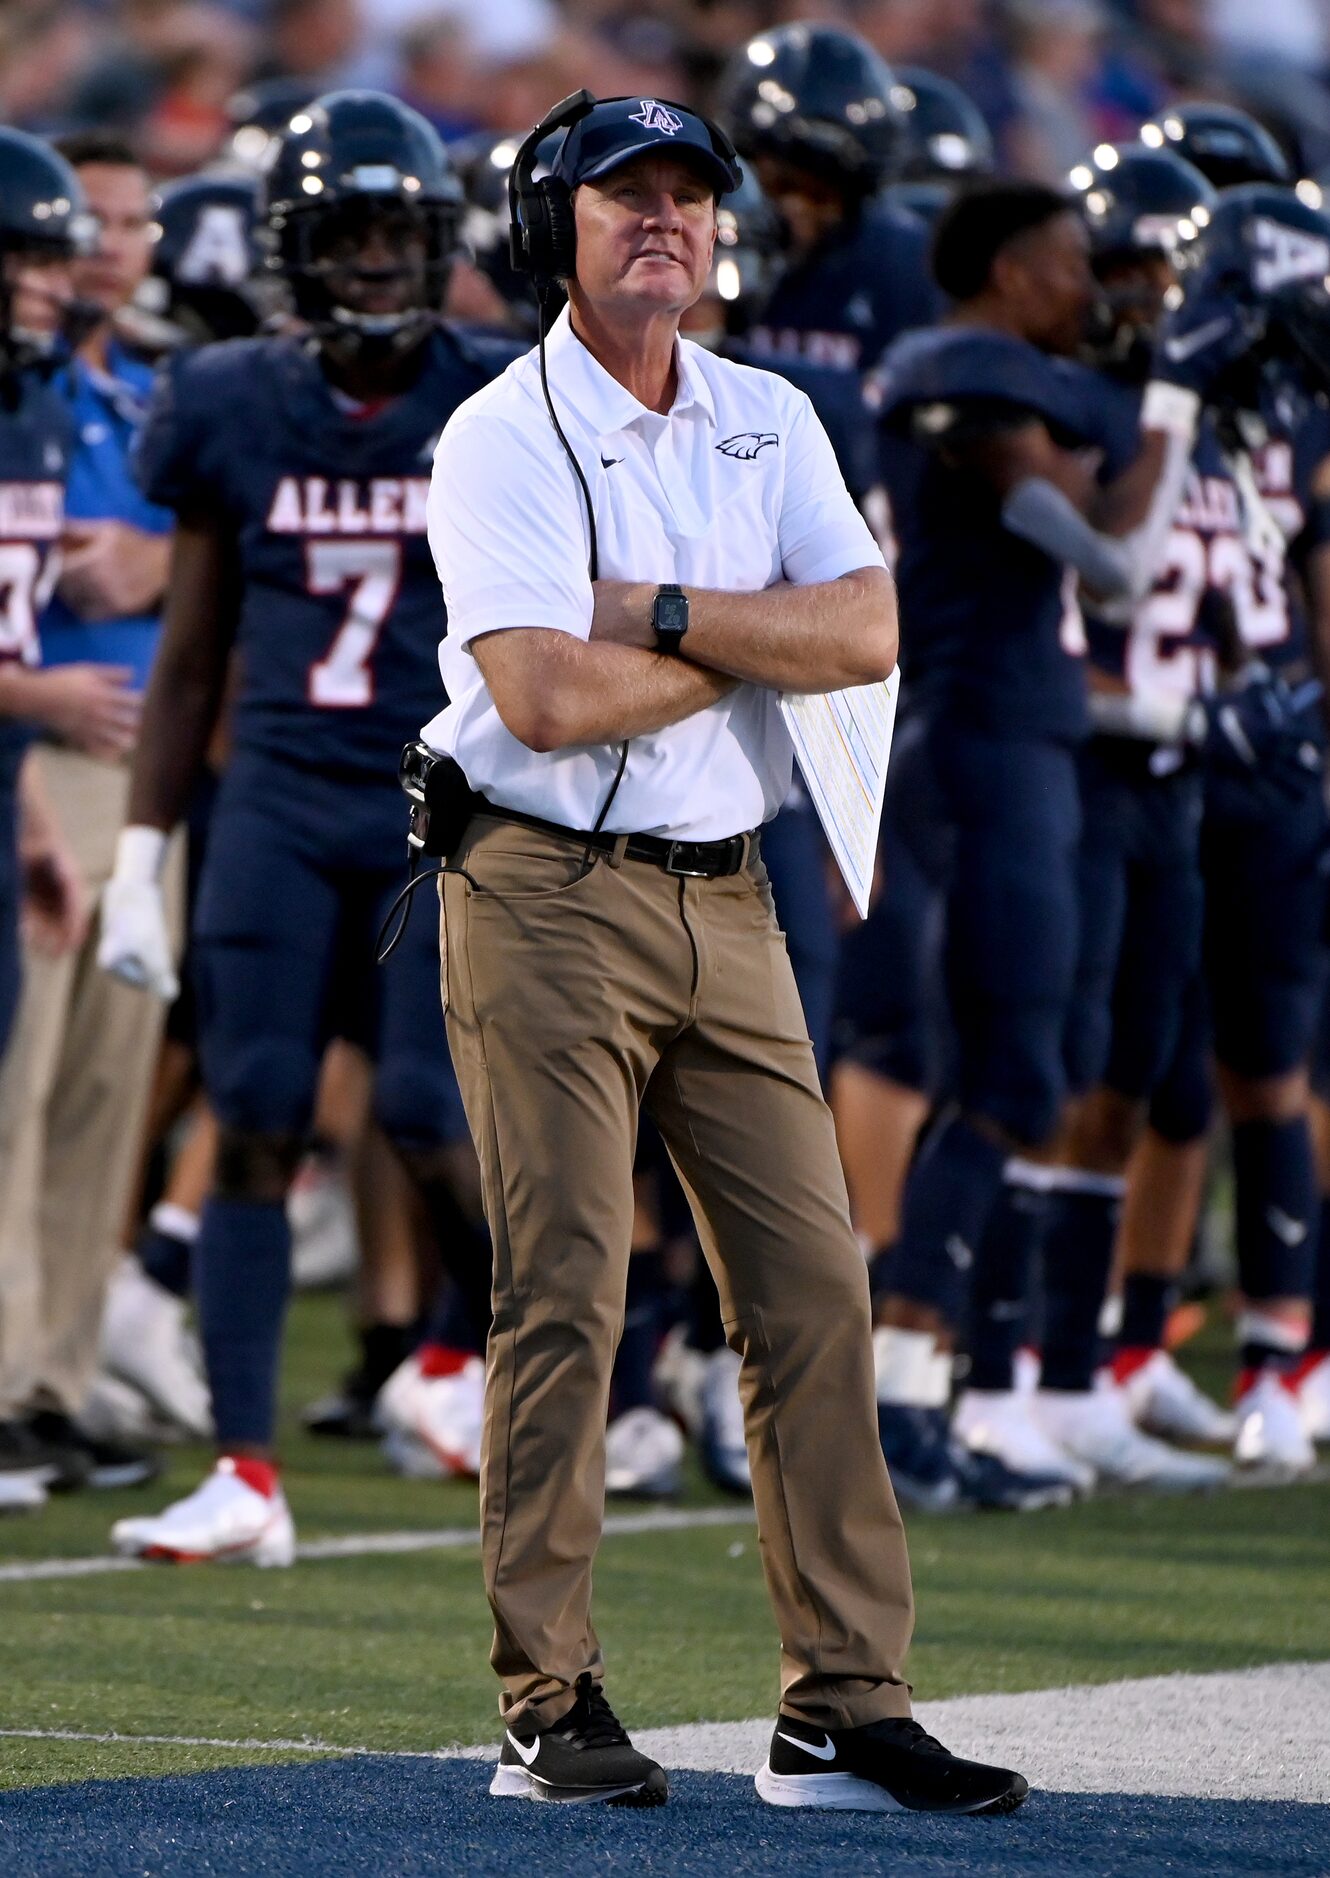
372,1816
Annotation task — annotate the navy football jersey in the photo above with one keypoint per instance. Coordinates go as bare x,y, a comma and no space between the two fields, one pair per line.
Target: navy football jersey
1274,620
1193,622
844,303
341,613
990,624
35,438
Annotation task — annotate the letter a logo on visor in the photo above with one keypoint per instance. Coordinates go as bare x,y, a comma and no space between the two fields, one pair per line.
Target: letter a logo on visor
653,116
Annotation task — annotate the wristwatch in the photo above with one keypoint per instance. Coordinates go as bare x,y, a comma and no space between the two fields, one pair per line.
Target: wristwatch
669,617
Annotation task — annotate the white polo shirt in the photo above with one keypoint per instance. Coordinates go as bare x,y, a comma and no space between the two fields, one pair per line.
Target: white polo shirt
736,488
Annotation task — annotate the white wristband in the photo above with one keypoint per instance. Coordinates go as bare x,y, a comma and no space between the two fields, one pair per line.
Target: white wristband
1170,407
139,854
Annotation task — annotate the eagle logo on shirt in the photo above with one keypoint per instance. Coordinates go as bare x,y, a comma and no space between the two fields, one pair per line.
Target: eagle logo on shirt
747,443
653,116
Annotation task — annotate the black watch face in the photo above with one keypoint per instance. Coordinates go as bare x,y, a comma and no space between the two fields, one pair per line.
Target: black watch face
671,613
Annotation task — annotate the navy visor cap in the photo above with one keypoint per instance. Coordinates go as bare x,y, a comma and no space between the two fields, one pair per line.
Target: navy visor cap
619,129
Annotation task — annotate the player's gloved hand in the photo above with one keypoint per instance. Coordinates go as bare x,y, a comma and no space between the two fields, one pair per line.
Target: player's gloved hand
135,943
1201,337
1261,728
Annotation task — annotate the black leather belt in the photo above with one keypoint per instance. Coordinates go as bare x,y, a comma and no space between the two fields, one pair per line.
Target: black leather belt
692,860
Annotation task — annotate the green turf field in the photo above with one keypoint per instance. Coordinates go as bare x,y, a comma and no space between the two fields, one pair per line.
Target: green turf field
390,1652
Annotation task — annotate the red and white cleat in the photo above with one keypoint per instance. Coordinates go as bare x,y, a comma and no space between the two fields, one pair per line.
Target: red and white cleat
226,1519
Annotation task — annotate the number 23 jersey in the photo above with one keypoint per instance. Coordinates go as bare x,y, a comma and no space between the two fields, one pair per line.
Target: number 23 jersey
340,610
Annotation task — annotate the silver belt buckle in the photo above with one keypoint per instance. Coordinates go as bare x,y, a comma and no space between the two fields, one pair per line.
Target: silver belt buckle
684,873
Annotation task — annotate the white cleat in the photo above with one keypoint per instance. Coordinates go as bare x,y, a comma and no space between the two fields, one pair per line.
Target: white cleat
114,1410
433,1425
1271,1434
325,1243
21,1492
224,1520
643,1456
147,1343
999,1422
1093,1426
1163,1399
723,1448
1314,1397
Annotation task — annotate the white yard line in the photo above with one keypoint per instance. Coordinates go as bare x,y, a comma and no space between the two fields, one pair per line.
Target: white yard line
378,1544
1256,1734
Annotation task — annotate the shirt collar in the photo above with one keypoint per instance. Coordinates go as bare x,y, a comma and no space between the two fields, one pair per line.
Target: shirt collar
599,399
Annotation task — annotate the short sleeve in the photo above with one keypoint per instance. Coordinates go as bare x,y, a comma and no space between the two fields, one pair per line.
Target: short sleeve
174,454
507,529
822,534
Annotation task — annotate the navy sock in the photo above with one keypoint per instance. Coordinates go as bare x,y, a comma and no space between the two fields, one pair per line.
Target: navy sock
1078,1253
1146,1304
382,1348
642,1327
950,1193
451,1321
1001,1302
1320,1337
1276,1209
243,1277
165,1247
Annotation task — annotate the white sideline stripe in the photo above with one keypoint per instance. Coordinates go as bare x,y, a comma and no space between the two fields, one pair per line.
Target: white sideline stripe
379,1544
1254,1734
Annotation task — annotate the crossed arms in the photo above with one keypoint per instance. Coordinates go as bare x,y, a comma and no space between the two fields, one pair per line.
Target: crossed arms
552,689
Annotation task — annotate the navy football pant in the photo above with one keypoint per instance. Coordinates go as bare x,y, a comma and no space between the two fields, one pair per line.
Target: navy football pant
1263,858
1140,920
794,852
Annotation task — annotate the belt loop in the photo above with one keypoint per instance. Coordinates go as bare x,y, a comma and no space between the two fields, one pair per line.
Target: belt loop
747,848
617,852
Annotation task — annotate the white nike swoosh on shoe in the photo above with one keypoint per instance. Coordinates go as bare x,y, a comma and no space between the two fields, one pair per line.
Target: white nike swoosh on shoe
527,1755
1186,344
827,1753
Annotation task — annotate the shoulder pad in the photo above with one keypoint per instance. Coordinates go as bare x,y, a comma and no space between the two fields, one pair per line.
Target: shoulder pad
962,365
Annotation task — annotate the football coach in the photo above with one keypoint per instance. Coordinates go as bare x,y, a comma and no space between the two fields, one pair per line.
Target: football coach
639,552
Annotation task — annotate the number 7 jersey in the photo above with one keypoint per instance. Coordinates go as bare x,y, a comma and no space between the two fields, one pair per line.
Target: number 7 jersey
341,612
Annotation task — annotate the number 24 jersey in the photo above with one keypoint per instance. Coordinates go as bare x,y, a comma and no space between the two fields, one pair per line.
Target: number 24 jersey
341,612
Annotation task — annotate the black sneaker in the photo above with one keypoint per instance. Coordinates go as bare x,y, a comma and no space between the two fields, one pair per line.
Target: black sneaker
88,1461
883,1767
59,1467
586,1755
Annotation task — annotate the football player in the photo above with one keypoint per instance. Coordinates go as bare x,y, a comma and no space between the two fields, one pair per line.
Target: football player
1000,519
43,226
298,468
1264,831
1140,903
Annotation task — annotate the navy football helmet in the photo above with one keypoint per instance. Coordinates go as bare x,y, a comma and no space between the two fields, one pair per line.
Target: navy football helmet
1267,253
1226,145
206,257
483,163
943,133
818,95
43,215
1138,204
349,159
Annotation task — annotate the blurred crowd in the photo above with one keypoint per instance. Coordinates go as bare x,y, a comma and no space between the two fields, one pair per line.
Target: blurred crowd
1052,77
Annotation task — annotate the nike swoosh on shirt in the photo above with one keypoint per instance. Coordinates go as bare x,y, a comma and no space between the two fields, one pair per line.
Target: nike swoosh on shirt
1183,347
827,1753
608,462
527,1755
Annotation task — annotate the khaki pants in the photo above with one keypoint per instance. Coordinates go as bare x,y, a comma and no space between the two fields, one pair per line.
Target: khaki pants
73,1093
573,1000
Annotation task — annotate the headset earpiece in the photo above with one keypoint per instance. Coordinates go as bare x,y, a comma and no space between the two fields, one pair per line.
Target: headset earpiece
542,234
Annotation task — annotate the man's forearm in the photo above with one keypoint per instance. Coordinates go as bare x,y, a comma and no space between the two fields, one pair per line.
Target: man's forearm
817,638
579,692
